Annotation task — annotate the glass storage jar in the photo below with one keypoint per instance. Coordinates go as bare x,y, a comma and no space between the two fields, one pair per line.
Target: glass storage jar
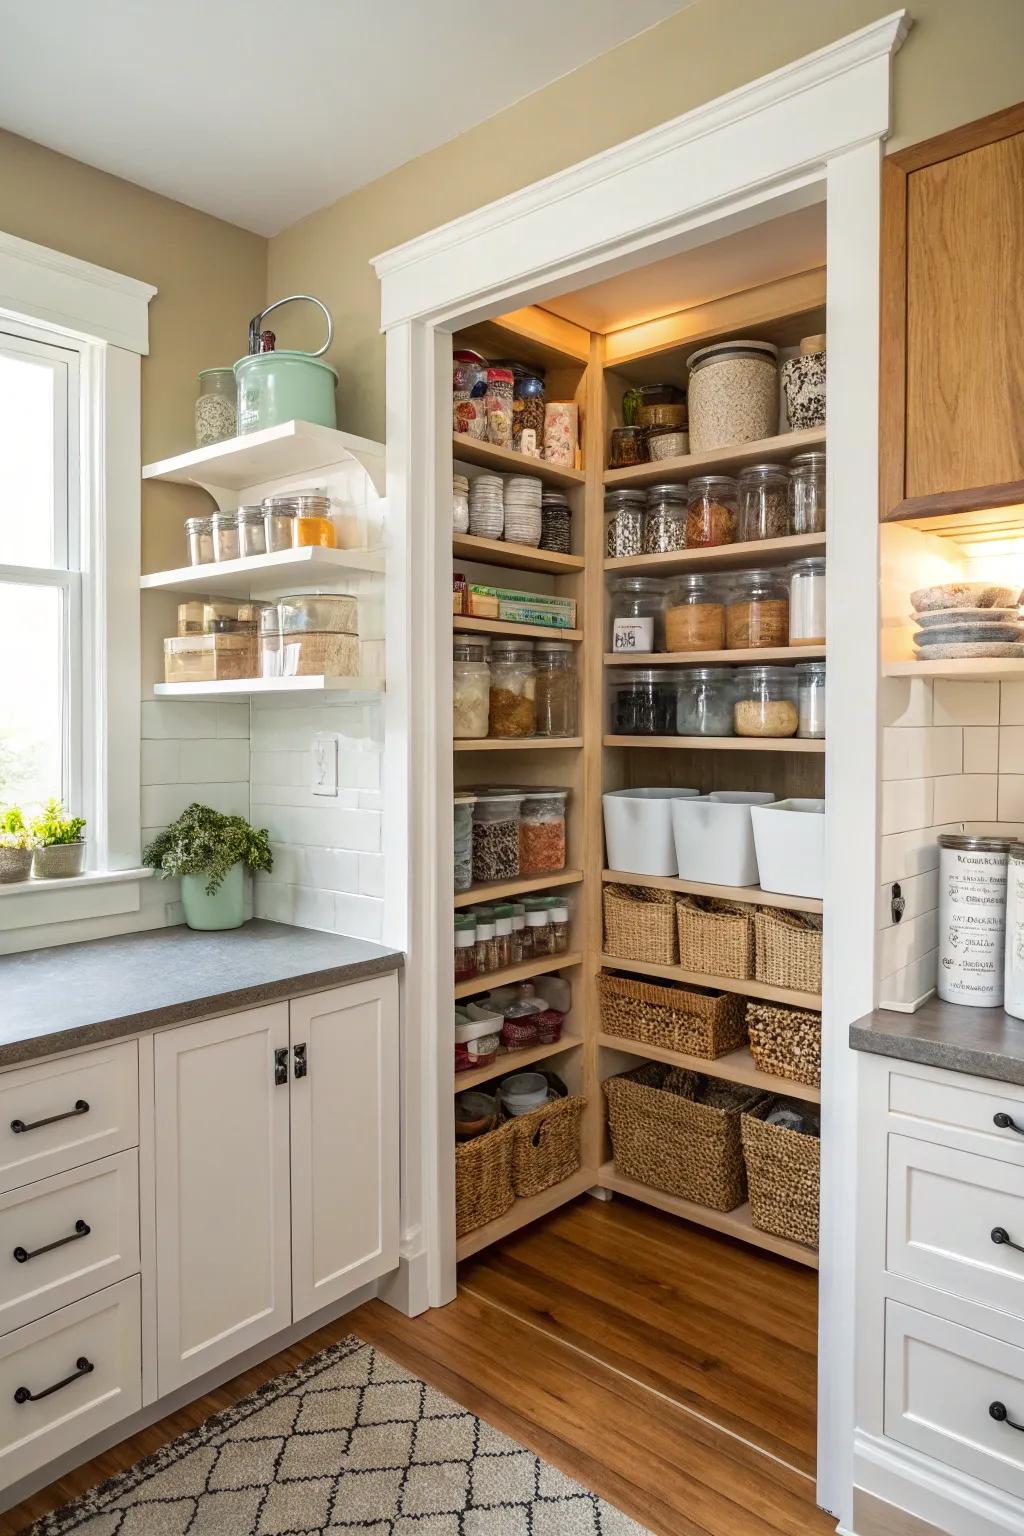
556,687
807,493
558,922
225,536
661,405
542,832
811,699
643,702
766,702
807,601
463,831
637,614
278,525
665,519
498,407
555,523
460,504
763,505
252,534
695,614
733,394
471,687
705,702
486,945
628,446
503,935
624,523
518,929
538,925
496,836
216,406
199,536
513,697
528,412
469,387
465,948
711,512
757,610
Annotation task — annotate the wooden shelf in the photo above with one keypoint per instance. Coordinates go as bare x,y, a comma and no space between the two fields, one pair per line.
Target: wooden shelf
294,448
466,623
260,574
751,893
522,972
722,557
504,890
512,1061
519,744
524,1211
247,686
530,335
756,656
732,1223
519,557
981,667
737,1067
505,461
741,988
719,743
719,461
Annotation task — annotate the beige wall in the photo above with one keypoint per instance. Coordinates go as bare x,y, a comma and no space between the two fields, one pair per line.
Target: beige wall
211,277
961,61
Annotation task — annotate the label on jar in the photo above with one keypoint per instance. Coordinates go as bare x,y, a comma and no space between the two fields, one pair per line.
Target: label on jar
972,921
633,635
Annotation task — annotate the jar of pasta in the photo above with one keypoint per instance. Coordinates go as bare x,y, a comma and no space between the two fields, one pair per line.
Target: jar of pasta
513,689
766,702
471,687
757,610
710,512
695,614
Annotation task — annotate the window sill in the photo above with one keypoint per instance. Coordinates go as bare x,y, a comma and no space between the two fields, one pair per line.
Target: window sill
89,880
34,912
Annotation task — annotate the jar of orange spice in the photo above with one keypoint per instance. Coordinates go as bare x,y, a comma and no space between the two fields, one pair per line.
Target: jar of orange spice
309,513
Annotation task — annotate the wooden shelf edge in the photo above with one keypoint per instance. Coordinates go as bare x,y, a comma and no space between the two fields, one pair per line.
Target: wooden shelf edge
767,449
750,893
519,744
719,743
524,1211
521,972
468,546
512,1061
758,656
466,622
470,450
747,987
752,552
497,890
736,1067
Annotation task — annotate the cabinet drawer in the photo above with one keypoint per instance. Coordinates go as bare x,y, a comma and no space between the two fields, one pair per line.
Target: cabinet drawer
65,1237
963,1114
43,1127
103,1332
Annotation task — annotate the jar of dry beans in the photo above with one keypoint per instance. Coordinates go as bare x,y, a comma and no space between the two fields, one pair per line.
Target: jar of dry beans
711,512
695,614
624,523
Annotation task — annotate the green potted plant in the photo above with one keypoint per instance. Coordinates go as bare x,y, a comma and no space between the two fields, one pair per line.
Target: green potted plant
60,846
211,853
17,844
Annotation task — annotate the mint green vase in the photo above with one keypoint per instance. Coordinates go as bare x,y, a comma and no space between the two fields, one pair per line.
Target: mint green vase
224,909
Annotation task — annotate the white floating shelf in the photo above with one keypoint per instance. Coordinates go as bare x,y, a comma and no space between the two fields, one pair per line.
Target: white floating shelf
294,448
247,686
991,668
259,574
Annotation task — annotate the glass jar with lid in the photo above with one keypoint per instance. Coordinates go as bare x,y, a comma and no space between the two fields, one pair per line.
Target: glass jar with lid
555,522
278,524
695,613
763,503
711,512
471,687
807,601
496,835
513,698
556,687
528,410
807,493
627,447
665,519
252,533
216,406
624,523
811,699
225,536
463,837
542,832
643,701
199,536
705,700
766,702
465,948
637,614
757,610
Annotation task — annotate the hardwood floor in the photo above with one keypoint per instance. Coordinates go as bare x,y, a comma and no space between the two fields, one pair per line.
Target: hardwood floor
667,1368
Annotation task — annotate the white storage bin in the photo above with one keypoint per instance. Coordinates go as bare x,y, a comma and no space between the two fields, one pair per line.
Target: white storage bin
790,840
714,837
638,829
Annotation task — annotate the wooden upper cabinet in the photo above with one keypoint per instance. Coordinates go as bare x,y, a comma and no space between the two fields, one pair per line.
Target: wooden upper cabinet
952,344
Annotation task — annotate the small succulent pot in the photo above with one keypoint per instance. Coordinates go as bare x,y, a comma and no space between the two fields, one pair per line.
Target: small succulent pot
59,861
803,384
15,864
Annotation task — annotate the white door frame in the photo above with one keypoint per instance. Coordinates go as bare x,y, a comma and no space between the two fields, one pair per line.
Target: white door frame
810,131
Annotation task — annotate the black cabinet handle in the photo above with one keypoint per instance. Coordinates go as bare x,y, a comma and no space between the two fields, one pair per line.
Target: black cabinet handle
18,1126
1007,1123
82,1368
1000,1235
82,1229
281,1067
999,1413
301,1061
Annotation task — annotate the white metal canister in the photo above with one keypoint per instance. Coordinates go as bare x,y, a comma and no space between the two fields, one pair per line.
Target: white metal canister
972,919
1013,1000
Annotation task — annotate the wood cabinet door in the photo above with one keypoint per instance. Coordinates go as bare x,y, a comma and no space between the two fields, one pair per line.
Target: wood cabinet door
345,1179
222,1194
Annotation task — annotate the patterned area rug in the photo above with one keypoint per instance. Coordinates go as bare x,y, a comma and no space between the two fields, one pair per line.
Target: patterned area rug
348,1442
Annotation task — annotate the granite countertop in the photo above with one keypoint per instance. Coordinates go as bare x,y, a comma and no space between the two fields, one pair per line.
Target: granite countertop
83,994
984,1042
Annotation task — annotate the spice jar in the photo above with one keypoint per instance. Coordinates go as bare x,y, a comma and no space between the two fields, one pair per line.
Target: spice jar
525,933
665,519
313,524
757,610
225,536
503,936
463,840
498,407
733,394
278,523
807,601
637,614
628,446
486,946
496,836
555,687
528,412
471,687
624,525
763,503
538,923
558,922
252,535
513,689
561,430
695,614
555,523
644,702
469,388
216,412
807,493
542,832
199,535
705,697
811,698
465,948
711,512
518,930
766,702
460,503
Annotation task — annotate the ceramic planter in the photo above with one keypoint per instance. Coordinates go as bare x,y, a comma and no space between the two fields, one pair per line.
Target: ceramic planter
59,861
803,384
15,864
224,909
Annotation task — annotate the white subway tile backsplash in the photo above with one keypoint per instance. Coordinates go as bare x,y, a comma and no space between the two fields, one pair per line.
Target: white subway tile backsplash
313,908
360,916
907,854
905,701
920,894
1011,703
908,987
921,752
233,720
1011,797
914,937
281,768
371,874
357,830
962,703
163,803
907,804
981,749
1011,749
170,720
966,797
214,762
160,760
371,800
334,869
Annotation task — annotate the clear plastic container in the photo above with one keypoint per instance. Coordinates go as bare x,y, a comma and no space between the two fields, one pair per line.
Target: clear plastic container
503,935
460,504
496,836
637,615
695,614
310,636
644,701
225,536
278,526
463,839
624,523
486,946
665,519
513,698
705,698
190,619
766,702
528,412
217,658
757,610
807,602
538,923
542,832
807,493
811,699
252,533
465,948
317,612
711,512
556,687
763,503
471,688
199,536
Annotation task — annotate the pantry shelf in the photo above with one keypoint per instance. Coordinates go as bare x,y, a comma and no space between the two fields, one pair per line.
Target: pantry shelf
990,667
519,744
774,450
720,557
512,1061
543,966
247,686
519,557
524,1211
505,461
260,574
720,743
742,893
466,622
293,448
735,1223
736,1067
755,656
741,988
501,890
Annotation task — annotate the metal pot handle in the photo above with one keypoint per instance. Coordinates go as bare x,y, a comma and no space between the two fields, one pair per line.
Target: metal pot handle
256,323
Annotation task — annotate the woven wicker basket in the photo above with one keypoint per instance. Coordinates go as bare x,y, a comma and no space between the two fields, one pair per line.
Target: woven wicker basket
715,937
787,949
667,1141
639,924
784,1178
546,1147
786,1042
483,1178
674,1018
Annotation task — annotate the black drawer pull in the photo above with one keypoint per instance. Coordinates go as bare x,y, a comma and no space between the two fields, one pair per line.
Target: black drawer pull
301,1060
1000,1235
81,1108
82,1368
82,1229
1007,1123
999,1413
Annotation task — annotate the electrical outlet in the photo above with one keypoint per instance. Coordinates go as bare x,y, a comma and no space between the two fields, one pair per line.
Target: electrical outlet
325,765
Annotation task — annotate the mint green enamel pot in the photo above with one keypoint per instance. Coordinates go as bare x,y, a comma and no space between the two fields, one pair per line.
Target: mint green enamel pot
278,386
224,909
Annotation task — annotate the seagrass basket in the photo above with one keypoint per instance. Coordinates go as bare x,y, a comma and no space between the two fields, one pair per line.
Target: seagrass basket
546,1145
715,937
639,924
787,949
783,1177
483,1178
786,1042
674,1018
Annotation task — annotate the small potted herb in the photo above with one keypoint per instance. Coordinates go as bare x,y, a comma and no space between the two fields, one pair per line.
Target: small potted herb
60,846
211,853
17,844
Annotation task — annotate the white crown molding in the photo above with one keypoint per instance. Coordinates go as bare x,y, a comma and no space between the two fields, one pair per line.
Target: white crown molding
50,288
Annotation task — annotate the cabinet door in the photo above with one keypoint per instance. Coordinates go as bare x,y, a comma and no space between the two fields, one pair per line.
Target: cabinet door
222,1217
345,1193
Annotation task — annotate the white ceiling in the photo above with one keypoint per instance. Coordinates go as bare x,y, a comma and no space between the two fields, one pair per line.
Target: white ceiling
260,111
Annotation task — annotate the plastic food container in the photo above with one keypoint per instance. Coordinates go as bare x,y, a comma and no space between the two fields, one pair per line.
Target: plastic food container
556,522
523,1093
542,832
807,602
714,836
704,702
225,536
252,533
624,523
528,412
807,493
638,829
789,837
190,619
811,699
216,409
695,614
763,502
217,658
637,615
513,696
766,702
644,701
310,636
465,948
498,406
757,610
199,537
469,387
711,512
477,1040
496,836
561,431
463,831
471,688
733,394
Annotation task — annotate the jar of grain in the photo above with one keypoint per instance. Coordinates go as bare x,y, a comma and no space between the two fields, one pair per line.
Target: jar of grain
513,697
463,839
555,688
710,511
225,536
807,602
644,701
538,924
216,406
705,701
695,614
555,522
542,832
503,935
637,615
763,503
471,688
528,412
199,536
624,523
627,447
733,394
757,610
766,702
496,836
665,519
498,407
252,534
807,493
811,700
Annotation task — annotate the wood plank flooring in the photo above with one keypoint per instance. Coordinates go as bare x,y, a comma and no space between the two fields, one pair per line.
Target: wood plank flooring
667,1368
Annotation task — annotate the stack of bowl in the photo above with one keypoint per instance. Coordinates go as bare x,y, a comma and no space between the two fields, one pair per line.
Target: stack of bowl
966,619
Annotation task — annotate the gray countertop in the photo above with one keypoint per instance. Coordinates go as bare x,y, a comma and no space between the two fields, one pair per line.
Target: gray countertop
985,1042
82,994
